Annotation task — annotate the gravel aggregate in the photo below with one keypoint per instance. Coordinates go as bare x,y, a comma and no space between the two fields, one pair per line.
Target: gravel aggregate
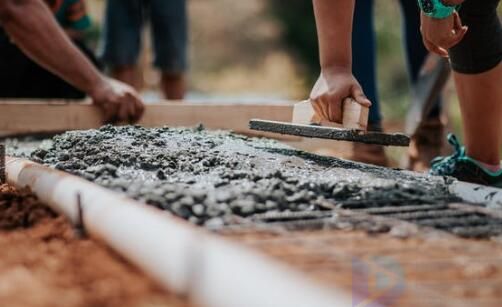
210,177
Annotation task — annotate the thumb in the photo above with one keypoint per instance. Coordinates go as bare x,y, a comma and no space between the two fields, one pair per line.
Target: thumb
457,22
358,95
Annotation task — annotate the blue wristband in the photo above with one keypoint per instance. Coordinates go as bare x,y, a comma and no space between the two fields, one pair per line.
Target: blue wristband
436,9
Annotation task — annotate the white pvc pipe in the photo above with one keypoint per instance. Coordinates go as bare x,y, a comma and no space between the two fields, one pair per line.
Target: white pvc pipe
181,257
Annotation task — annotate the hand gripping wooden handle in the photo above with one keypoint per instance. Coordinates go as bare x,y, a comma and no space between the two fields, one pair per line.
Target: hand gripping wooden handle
355,116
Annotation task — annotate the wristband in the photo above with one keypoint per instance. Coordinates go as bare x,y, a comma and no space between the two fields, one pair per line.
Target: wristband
436,9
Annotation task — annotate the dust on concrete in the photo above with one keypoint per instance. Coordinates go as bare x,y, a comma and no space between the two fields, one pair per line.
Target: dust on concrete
214,178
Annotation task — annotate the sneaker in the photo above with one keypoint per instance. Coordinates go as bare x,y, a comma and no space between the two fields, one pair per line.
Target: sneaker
425,145
464,168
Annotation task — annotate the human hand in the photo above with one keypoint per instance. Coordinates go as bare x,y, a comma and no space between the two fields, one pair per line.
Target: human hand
118,101
331,89
439,35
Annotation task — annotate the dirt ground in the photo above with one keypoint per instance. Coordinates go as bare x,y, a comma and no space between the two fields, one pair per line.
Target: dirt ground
44,264
426,270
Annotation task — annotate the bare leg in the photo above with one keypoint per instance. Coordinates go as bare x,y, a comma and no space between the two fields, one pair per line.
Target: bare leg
173,86
127,74
480,98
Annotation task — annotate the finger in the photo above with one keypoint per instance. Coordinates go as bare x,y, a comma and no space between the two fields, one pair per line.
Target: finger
335,111
317,108
459,36
108,113
325,101
324,108
358,95
454,39
131,108
331,108
123,111
457,21
435,49
140,109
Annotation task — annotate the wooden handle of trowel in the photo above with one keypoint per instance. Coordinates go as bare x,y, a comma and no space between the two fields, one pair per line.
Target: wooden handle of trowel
355,115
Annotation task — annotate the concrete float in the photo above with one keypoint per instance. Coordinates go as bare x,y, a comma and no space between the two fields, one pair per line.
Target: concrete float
211,271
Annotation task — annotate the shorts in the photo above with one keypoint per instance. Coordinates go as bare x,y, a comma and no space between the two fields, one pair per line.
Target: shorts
481,48
124,22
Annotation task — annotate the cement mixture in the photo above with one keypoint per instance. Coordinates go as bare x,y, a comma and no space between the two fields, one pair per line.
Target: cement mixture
210,178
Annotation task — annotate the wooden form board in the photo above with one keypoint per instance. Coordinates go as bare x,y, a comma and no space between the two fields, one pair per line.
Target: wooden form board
25,117
32,116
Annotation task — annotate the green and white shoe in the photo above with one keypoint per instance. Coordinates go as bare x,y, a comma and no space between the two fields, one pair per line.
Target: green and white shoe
464,168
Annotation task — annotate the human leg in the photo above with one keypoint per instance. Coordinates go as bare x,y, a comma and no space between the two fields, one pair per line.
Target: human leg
480,97
478,77
122,39
364,57
364,69
428,140
170,38
477,66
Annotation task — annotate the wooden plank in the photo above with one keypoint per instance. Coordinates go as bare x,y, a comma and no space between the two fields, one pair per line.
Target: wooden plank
32,116
19,117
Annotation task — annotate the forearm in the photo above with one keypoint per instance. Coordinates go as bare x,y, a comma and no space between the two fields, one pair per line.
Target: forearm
334,27
31,26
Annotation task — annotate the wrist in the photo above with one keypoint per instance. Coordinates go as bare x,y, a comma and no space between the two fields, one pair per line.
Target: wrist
437,9
336,69
97,86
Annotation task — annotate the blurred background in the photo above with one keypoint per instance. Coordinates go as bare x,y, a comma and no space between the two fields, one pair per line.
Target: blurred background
267,49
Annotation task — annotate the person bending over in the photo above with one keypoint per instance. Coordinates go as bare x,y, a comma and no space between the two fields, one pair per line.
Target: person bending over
31,26
24,78
475,51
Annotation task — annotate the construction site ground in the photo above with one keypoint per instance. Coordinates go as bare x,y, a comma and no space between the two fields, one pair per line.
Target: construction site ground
421,270
386,236
44,263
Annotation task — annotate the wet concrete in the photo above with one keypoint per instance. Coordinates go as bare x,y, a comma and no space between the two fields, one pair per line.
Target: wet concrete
210,178
219,178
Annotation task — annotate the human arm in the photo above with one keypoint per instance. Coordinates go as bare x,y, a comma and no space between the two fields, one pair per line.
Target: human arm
31,26
336,82
441,33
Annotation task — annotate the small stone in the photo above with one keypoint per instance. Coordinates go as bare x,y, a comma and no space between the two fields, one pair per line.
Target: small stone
161,175
214,223
198,210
